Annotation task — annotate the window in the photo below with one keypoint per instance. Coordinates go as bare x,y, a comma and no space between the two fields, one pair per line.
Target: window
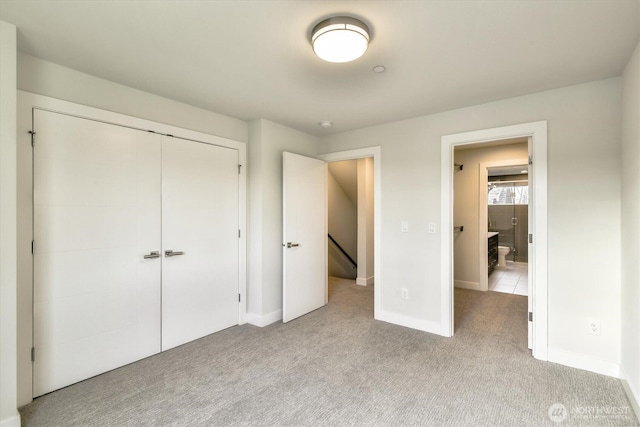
508,193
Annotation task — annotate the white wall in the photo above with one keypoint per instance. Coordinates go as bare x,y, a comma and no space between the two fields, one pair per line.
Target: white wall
631,226
466,207
365,214
343,224
8,258
46,78
583,211
267,142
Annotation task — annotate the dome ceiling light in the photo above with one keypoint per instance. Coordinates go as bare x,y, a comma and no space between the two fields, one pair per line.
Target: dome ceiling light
340,39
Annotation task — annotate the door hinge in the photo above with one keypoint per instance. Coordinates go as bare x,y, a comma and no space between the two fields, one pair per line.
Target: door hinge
239,233
239,298
531,316
33,247
33,138
530,238
33,354
239,169
530,160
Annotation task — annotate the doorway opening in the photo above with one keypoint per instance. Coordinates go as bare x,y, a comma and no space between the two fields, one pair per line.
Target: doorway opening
508,228
364,187
536,136
484,209
491,209
350,205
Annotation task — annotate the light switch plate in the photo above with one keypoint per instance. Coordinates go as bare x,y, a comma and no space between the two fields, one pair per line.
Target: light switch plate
432,227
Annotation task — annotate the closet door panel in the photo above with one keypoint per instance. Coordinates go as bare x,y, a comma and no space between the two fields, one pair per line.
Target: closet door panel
199,219
96,214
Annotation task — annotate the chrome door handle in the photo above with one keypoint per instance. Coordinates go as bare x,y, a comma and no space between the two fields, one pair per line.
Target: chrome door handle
152,254
169,253
292,245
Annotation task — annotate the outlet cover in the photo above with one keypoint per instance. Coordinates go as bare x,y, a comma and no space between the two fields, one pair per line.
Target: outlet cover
404,293
594,327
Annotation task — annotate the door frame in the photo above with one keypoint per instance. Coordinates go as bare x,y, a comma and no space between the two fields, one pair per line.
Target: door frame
26,102
376,154
537,132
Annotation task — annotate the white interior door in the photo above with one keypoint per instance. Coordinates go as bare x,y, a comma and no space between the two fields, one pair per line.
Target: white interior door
200,217
96,214
304,235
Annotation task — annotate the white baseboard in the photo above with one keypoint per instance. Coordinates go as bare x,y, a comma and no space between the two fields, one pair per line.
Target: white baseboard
580,361
632,394
410,322
364,281
264,320
474,286
13,421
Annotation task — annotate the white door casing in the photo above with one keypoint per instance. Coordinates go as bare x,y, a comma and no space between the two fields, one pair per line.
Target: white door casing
532,260
96,214
304,235
200,224
537,132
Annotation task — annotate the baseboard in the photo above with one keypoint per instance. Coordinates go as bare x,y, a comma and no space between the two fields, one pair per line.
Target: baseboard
264,320
410,322
580,361
364,281
632,395
474,286
13,421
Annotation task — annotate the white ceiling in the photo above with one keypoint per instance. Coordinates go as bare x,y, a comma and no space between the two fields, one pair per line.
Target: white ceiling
252,59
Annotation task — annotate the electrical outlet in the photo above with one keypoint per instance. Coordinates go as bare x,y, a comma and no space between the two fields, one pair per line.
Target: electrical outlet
594,327
404,226
404,293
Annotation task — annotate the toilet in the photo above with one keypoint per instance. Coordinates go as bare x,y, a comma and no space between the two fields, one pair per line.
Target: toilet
502,253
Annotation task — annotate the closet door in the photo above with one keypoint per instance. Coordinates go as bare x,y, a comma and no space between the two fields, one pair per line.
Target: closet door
96,215
200,240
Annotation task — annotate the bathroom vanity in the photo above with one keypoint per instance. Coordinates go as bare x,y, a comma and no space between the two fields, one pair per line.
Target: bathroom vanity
492,250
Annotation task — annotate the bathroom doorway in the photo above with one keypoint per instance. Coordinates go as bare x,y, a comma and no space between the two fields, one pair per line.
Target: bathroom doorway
488,181
536,134
508,228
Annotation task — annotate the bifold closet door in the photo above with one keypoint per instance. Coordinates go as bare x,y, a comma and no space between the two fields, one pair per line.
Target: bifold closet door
97,213
200,240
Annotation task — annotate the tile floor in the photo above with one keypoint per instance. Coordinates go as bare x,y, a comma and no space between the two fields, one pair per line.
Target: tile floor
512,279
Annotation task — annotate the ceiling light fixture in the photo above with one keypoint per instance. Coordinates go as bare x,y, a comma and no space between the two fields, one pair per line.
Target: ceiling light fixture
340,39
325,124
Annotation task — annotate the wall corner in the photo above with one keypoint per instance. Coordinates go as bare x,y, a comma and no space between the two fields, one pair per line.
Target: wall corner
9,415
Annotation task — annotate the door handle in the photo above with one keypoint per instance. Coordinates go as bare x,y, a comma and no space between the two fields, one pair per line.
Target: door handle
292,245
152,254
168,253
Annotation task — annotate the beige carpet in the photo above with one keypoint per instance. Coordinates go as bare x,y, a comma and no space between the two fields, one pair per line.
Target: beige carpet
339,367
